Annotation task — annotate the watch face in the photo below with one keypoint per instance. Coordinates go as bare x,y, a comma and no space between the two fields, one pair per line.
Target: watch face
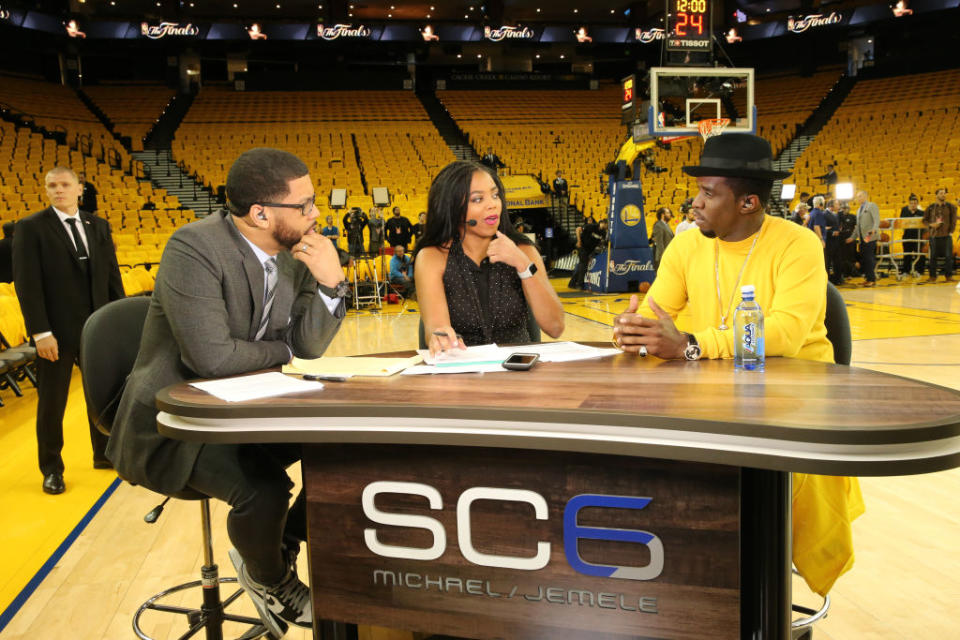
692,352
533,268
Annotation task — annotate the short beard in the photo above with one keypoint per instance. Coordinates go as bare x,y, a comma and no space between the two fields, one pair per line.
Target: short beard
709,234
286,236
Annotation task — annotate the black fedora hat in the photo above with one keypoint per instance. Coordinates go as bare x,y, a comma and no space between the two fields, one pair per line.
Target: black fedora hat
736,155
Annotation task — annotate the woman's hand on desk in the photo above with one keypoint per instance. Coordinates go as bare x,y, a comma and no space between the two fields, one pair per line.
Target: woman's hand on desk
444,339
503,249
660,336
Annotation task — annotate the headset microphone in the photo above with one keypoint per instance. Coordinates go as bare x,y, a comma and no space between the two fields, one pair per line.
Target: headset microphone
471,223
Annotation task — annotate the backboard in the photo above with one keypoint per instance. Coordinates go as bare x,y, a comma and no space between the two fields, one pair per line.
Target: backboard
680,97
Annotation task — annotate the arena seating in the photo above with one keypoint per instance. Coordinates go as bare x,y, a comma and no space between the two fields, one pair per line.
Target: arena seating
133,109
344,137
892,137
58,109
579,132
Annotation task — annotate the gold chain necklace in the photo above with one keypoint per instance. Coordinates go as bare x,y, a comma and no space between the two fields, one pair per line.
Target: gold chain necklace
716,265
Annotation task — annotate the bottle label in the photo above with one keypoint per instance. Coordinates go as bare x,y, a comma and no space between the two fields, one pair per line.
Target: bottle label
750,337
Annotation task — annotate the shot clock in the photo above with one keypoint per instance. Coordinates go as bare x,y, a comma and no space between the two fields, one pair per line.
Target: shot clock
689,25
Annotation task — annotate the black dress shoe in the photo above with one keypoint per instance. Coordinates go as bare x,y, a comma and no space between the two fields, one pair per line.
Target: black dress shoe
53,483
103,463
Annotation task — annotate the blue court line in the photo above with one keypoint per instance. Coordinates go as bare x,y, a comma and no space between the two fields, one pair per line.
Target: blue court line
54,558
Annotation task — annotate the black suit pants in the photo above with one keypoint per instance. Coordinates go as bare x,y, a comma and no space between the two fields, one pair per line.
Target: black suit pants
252,479
868,260
940,248
53,387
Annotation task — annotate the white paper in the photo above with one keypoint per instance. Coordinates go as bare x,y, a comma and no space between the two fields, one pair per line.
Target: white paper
481,354
427,369
262,385
565,351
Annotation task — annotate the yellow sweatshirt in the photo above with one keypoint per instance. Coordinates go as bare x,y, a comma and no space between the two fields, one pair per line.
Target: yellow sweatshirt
787,269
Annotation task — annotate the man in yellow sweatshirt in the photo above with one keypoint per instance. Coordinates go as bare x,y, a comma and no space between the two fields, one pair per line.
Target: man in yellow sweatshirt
699,280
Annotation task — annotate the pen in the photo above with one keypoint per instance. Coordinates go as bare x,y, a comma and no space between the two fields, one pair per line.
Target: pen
321,378
444,334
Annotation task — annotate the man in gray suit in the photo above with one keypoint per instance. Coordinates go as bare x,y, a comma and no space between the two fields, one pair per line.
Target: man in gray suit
242,290
867,231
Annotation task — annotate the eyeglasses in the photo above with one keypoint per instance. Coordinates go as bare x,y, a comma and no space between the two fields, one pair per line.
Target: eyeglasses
304,208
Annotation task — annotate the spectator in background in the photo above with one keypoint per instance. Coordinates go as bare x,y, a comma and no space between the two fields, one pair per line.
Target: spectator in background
662,234
6,253
420,226
353,223
560,187
88,200
330,231
800,213
399,230
941,220
816,222
589,237
830,177
911,238
492,160
687,222
833,250
149,205
848,250
375,230
804,199
866,232
401,269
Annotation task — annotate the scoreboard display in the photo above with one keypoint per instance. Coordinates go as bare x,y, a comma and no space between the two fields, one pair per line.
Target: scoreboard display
689,25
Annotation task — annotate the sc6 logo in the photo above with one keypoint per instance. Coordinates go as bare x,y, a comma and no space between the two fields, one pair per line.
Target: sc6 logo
572,531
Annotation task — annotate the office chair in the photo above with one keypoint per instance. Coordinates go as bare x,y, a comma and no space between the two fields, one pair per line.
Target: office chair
838,332
108,349
838,326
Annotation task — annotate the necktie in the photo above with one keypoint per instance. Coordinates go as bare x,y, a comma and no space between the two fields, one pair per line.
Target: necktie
77,240
270,288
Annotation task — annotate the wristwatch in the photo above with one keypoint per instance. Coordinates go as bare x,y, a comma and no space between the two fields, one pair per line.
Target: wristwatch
342,290
692,352
528,272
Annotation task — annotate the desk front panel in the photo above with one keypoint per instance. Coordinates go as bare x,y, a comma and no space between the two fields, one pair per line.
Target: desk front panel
492,543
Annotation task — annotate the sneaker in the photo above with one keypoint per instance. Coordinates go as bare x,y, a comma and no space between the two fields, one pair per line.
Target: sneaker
273,624
287,601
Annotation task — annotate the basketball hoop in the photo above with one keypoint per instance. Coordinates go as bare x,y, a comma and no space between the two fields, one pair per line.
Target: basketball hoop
712,127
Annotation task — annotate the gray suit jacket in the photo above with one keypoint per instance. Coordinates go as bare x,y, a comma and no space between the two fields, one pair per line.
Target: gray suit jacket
868,221
202,321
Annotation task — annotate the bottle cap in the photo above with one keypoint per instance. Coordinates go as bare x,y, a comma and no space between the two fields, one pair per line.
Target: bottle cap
747,290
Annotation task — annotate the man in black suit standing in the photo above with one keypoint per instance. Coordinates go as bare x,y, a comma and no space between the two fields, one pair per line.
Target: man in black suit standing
64,268
88,196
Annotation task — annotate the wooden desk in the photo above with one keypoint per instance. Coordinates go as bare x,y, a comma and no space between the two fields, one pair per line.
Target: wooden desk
709,447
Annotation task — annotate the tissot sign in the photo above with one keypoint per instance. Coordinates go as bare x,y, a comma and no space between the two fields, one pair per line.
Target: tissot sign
164,29
522,544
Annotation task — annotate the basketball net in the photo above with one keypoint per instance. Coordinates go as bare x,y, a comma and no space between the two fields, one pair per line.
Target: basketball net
712,127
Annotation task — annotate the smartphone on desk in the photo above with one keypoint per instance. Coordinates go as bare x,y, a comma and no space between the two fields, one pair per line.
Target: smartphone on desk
520,361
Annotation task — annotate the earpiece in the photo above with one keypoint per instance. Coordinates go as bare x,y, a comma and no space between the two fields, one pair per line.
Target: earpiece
261,216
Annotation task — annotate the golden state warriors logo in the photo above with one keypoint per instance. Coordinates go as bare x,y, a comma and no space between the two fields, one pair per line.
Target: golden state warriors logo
630,215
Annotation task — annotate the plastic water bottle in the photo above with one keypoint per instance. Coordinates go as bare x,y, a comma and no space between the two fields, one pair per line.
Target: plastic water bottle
748,351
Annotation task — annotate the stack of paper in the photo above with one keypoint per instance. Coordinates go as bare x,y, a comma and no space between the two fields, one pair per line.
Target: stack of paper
351,366
489,357
262,385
